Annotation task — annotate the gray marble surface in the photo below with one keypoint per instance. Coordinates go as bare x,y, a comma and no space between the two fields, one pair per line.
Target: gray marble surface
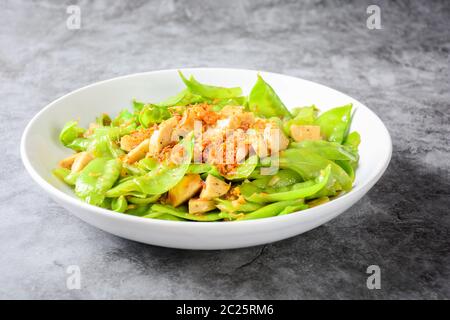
400,71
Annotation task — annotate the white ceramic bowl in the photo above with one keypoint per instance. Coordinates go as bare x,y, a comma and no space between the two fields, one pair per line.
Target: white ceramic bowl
41,150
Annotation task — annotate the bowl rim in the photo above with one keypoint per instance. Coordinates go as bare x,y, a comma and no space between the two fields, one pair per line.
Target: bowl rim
307,213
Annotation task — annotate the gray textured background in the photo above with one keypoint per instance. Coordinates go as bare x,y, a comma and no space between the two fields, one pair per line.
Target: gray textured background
401,72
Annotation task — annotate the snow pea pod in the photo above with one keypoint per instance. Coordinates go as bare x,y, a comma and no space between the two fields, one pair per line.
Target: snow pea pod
169,217
328,150
140,201
294,192
70,132
96,178
302,116
119,204
61,173
209,91
263,101
181,212
294,208
183,98
101,145
138,211
152,114
334,123
236,206
309,164
159,180
282,178
270,210
244,169
199,168
79,144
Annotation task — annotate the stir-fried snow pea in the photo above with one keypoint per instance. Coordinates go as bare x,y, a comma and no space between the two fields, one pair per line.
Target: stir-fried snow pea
334,123
328,150
309,165
140,201
302,116
199,168
282,178
208,91
124,117
61,173
294,208
348,168
244,169
263,101
270,210
318,201
159,180
103,120
353,140
183,98
103,146
294,192
236,206
119,204
182,213
71,178
70,132
79,144
152,114
138,211
170,217
147,164
96,178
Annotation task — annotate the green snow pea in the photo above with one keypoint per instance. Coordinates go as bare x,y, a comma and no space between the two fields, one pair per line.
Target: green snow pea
124,117
294,208
199,168
119,204
328,150
282,178
263,101
61,173
296,191
70,132
71,178
170,217
79,144
103,120
303,116
159,180
106,204
234,206
138,105
183,98
96,178
244,169
152,114
147,200
353,140
102,146
348,167
138,211
133,169
270,210
208,91
181,212
309,164
334,123
218,104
